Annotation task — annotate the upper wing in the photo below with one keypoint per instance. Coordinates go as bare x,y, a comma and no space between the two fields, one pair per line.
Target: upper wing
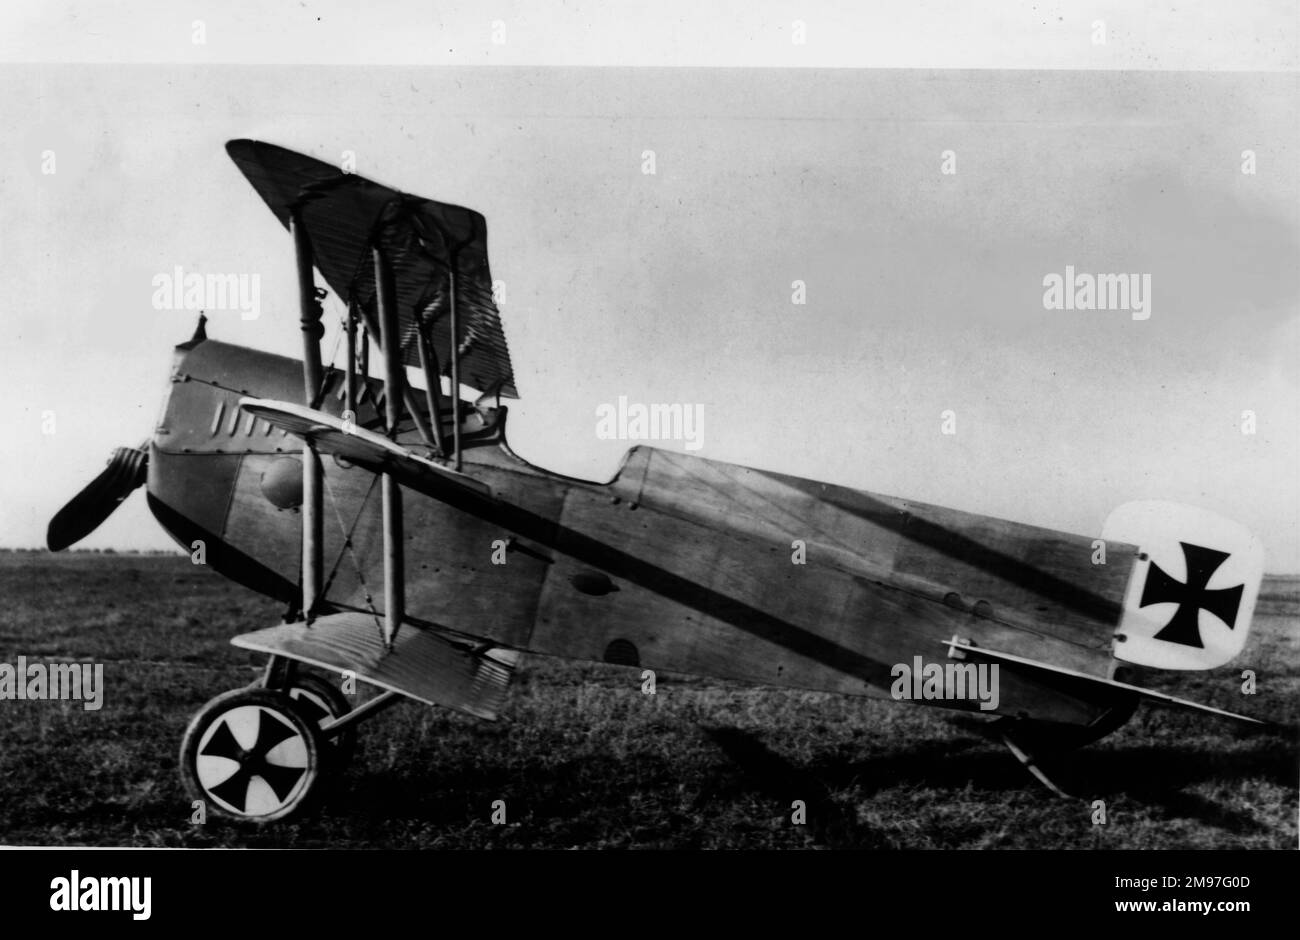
346,215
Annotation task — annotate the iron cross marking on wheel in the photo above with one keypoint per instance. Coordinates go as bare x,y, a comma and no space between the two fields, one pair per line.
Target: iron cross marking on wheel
1192,597
252,763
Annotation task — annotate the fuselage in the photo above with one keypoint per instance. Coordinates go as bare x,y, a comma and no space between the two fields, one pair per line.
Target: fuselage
680,563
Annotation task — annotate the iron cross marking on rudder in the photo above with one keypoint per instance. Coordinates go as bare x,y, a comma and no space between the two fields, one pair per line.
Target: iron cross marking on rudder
1192,597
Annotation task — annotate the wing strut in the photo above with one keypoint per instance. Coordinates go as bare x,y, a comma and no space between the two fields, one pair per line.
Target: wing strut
429,436
455,361
350,386
432,384
313,506
394,563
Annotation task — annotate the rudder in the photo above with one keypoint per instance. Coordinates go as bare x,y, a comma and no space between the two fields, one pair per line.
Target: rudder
1192,593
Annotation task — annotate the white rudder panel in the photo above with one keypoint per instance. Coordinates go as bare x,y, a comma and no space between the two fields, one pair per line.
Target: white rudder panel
1193,589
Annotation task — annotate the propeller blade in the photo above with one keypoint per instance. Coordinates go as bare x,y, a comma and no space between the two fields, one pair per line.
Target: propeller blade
85,511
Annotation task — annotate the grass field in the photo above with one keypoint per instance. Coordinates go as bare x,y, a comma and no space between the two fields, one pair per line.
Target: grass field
583,759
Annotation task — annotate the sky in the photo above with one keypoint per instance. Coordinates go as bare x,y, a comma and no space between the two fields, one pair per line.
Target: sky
774,163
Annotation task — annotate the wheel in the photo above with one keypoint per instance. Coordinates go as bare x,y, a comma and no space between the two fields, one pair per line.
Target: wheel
252,755
321,700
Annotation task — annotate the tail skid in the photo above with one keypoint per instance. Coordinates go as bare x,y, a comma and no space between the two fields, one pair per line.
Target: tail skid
1031,764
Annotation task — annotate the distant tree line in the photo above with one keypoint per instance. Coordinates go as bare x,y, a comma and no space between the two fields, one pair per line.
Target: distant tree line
93,551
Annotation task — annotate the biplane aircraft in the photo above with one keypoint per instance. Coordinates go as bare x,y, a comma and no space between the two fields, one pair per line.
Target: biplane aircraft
380,511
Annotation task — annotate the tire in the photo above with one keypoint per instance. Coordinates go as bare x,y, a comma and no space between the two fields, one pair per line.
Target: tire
253,756
321,700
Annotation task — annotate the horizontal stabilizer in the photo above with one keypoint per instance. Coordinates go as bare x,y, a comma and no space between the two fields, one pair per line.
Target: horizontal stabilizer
1160,697
423,664
330,434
